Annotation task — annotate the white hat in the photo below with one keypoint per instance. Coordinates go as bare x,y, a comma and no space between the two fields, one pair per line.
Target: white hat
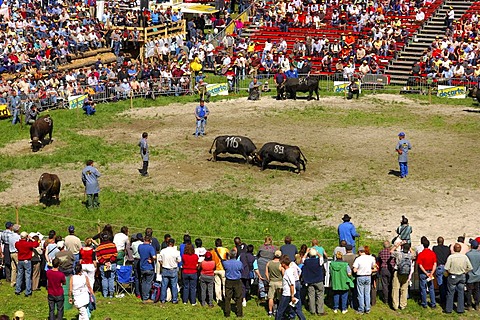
60,244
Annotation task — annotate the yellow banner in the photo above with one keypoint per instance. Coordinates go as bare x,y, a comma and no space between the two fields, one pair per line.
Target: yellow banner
458,92
4,112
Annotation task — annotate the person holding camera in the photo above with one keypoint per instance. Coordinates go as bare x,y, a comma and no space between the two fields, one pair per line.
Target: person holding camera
25,247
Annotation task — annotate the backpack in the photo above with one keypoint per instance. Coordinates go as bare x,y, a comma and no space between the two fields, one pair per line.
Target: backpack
155,292
404,266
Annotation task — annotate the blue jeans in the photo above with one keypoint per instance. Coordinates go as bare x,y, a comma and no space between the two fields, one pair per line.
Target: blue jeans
16,115
137,274
403,169
455,283
189,288
24,271
442,283
169,277
147,280
108,277
261,289
424,284
200,130
76,258
337,295
364,285
283,305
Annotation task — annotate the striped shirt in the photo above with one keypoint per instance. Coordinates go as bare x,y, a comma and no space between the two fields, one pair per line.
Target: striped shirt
106,252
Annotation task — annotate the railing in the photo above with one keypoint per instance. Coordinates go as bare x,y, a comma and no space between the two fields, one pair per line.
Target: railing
165,30
229,28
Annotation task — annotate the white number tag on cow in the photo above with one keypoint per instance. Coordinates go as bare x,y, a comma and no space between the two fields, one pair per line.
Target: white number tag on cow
278,149
232,142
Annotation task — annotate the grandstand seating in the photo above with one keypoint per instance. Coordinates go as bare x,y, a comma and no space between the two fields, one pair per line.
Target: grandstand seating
333,33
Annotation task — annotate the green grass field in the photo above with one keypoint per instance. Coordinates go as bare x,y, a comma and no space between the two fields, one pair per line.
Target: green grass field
207,214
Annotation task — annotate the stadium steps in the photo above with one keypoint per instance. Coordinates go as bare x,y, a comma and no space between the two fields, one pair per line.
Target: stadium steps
400,68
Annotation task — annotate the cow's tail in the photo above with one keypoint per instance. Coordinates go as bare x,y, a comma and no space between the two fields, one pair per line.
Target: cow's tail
214,140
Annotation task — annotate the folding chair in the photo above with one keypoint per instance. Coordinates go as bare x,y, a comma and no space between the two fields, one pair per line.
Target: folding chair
125,282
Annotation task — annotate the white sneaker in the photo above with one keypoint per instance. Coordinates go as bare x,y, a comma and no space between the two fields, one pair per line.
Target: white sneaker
344,311
244,303
335,311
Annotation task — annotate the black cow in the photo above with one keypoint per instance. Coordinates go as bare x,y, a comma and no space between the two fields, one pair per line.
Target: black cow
39,130
235,145
474,93
273,151
49,188
308,84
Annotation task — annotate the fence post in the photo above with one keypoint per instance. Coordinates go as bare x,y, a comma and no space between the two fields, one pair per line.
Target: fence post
17,219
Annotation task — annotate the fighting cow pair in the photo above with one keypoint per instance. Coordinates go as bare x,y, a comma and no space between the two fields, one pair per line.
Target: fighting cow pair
271,151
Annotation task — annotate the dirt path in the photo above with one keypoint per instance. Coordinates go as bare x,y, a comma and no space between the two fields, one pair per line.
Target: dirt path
347,172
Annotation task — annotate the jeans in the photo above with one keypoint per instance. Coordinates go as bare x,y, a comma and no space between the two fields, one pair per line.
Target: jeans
169,277
108,277
337,295
364,285
233,289
403,169
455,283
424,284
261,289
283,305
52,302
316,297
16,115
24,271
147,280
442,283
200,130
206,285
76,258
472,292
189,287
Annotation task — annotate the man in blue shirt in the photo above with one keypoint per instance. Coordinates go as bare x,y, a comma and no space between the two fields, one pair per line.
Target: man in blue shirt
90,177
148,257
292,73
233,284
14,104
347,232
402,148
201,114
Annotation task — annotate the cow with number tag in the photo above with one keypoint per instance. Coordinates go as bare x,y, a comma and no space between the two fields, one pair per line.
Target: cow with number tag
274,151
234,145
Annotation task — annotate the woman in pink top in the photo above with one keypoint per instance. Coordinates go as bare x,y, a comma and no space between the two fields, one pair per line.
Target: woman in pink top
189,274
206,279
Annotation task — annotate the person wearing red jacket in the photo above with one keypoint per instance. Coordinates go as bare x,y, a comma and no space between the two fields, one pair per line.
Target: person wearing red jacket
25,248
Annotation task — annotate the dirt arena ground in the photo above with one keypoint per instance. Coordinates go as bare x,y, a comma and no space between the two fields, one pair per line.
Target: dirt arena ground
351,168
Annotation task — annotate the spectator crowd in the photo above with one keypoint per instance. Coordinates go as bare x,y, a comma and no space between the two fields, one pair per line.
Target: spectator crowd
284,278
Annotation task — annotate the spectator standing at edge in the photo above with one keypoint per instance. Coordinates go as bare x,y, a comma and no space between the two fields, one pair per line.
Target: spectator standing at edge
233,284
148,257
473,280
55,280
289,249
363,266
387,264
219,255
402,148
73,244
400,277
107,256
427,265
25,248
314,279
169,259
288,294
347,231
458,265
143,144
442,252
90,177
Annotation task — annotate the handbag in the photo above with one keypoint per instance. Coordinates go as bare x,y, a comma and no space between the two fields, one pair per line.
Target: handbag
92,303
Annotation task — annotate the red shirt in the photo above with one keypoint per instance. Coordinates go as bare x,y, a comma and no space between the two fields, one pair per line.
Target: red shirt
25,249
55,281
190,262
208,267
427,258
86,256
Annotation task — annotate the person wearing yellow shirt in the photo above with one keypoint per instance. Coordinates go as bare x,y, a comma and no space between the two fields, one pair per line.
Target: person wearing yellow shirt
219,254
